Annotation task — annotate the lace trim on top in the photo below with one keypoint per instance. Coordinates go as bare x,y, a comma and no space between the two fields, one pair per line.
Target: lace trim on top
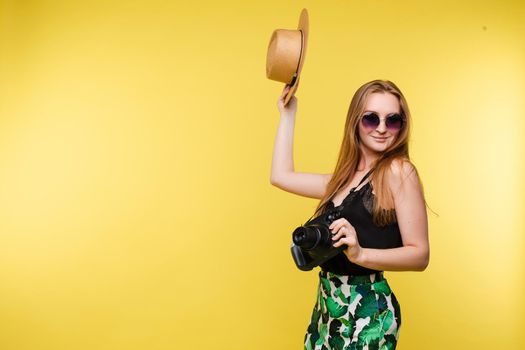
365,192
367,197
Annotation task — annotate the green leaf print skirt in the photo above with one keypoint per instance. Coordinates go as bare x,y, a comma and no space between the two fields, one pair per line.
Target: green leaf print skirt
353,312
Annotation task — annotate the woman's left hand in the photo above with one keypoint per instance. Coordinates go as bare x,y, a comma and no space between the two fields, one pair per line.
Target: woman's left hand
345,234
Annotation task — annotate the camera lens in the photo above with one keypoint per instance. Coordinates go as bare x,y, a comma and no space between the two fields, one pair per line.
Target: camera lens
305,237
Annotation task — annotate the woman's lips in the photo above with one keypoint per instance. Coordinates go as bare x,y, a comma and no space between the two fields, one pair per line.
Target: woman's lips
380,139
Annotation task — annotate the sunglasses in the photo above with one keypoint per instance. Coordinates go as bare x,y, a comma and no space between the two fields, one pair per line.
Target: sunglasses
394,122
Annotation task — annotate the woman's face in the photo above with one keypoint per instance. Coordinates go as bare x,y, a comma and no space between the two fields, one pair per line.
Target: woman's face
376,139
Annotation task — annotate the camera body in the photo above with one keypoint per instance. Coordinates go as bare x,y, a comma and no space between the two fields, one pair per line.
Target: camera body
312,243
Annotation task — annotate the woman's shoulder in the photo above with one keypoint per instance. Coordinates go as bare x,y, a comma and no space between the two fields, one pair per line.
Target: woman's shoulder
400,170
400,167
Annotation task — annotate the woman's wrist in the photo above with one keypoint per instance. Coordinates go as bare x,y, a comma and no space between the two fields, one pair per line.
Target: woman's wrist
361,257
287,116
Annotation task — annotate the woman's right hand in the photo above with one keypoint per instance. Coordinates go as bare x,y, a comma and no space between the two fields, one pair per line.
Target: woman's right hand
291,107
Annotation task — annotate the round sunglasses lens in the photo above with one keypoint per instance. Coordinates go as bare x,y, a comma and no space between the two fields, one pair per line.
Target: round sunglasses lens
394,122
370,121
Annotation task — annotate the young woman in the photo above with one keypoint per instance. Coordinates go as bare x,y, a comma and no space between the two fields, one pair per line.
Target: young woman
384,222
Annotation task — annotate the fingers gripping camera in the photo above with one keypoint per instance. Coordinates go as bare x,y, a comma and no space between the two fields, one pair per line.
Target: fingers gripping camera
312,243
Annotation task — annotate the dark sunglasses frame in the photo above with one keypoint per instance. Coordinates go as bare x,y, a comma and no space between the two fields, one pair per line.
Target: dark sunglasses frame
394,122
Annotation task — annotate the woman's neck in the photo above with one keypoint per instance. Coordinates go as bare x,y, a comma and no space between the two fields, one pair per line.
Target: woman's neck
367,161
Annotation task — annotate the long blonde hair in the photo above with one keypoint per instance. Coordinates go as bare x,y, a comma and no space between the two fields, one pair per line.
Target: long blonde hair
383,212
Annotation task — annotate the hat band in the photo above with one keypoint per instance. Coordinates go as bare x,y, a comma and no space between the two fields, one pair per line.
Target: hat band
294,78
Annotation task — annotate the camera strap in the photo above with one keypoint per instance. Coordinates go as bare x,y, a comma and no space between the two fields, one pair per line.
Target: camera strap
353,189
363,179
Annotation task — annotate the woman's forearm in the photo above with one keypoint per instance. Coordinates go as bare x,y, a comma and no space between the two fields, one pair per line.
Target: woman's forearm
407,258
282,159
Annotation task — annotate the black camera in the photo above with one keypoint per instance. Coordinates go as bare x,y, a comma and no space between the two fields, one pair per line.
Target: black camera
312,243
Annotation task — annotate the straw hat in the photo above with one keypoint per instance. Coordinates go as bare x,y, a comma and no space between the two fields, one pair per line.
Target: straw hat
286,53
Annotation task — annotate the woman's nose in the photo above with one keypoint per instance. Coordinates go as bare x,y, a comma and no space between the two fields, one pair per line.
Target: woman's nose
382,126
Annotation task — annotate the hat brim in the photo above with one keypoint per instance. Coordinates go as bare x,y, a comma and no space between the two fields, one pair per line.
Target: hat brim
304,28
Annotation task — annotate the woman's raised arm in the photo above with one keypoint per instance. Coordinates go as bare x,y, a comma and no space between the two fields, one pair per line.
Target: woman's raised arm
283,174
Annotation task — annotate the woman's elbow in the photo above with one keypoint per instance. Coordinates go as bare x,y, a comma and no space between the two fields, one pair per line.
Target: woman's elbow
275,182
424,261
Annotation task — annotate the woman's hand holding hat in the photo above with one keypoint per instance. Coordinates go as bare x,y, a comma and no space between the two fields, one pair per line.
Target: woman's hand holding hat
291,107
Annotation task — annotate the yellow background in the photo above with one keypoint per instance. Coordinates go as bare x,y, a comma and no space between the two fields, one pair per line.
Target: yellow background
135,150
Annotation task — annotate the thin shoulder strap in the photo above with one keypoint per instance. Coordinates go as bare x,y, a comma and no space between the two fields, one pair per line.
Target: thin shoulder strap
365,177
360,182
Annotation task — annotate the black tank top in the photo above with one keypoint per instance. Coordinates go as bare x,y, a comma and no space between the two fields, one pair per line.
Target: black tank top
357,209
